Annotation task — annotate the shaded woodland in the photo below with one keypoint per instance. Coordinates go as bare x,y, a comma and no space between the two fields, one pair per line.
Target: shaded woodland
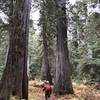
62,46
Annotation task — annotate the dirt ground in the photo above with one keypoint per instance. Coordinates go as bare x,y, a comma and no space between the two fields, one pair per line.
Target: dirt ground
82,92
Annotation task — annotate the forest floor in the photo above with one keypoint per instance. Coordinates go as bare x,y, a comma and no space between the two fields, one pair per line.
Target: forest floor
82,92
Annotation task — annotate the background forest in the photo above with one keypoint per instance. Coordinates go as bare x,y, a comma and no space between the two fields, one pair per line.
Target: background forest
83,39
79,41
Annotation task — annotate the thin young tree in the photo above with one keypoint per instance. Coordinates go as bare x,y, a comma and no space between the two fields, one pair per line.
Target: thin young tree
14,80
63,70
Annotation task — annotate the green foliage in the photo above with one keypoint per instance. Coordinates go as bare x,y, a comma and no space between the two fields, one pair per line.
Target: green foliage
86,32
34,55
93,61
34,70
88,71
96,48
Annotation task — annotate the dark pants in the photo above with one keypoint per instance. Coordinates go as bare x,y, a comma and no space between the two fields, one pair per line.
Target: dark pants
47,95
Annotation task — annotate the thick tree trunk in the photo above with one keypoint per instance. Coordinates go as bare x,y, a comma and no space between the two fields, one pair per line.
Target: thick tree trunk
46,75
15,80
63,83
46,71
27,8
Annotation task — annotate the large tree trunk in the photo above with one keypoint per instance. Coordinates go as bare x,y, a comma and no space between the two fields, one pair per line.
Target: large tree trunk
63,83
46,75
15,80
45,70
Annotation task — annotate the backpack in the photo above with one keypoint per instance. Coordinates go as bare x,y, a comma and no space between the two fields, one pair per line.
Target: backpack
47,88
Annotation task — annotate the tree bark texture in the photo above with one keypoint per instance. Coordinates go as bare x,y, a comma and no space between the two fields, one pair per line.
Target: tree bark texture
62,80
46,72
15,80
46,68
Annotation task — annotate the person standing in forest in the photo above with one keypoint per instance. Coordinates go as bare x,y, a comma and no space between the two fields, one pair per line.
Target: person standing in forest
47,89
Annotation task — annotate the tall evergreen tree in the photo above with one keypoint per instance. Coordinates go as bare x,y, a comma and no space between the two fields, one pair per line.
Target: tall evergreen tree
62,80
46,74
14,80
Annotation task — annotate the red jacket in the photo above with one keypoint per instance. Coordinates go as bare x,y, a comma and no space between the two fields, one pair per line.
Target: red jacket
47,88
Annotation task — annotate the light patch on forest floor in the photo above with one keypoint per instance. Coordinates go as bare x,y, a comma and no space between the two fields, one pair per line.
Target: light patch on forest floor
82,92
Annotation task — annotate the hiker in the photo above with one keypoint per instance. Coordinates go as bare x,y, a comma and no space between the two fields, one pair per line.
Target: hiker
47,89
